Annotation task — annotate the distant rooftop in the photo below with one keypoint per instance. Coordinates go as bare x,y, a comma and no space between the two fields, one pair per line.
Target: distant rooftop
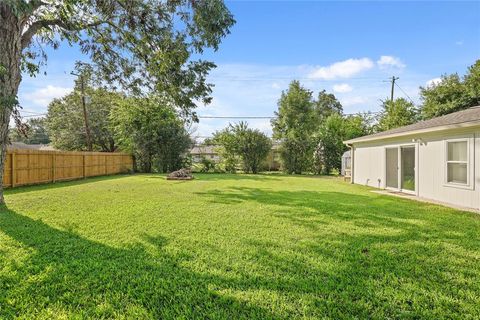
456,119
203,149
211,149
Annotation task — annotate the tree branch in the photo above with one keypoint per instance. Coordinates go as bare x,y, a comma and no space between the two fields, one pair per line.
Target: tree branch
40,24
32,7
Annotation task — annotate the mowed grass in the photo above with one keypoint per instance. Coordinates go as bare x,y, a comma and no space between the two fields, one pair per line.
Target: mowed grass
233,247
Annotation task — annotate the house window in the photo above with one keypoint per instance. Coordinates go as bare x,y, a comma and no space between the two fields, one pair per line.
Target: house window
457,162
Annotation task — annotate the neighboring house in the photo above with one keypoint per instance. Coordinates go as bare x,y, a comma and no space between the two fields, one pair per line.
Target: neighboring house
204,152
198,153
24,146
436,159
273,161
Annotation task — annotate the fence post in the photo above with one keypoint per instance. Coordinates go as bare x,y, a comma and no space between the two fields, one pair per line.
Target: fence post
54,159
84,170
13,175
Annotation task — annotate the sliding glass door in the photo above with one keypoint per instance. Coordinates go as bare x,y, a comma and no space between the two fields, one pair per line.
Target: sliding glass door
392,168
408,168
400,168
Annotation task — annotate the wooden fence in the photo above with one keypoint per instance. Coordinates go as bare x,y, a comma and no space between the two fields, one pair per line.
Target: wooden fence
24,167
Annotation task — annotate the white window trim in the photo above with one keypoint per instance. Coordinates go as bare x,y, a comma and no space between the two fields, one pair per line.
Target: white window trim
470,163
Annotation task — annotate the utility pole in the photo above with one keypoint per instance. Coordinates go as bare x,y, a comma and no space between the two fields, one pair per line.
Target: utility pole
393,87
85,115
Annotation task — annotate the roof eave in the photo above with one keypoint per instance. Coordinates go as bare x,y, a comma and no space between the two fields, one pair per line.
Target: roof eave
413,132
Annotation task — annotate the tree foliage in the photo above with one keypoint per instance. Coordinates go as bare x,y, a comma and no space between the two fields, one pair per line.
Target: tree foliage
36,132
238,142
151,129
302,124
226,145
330,136
294,124
137,44
252,145
326,105
396,114
452,93
295,116
140,45
296,154
66,125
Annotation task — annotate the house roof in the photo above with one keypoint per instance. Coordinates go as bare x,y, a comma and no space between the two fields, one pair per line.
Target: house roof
212,149
465,118
205,149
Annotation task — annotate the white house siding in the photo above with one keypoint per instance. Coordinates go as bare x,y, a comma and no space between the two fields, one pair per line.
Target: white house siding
369,166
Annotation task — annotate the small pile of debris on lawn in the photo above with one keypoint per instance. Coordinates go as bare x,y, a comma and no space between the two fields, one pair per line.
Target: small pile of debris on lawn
182,174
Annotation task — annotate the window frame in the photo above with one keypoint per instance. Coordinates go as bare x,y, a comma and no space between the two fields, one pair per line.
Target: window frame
469,162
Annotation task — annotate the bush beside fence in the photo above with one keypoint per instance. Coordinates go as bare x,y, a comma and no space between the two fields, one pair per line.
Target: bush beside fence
25,167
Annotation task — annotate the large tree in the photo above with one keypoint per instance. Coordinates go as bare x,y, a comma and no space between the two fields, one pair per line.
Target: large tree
294,124
240,144
452,93
326,105
330,136
151,129
252,146
139,44
66,124
295,115
397,113
226,145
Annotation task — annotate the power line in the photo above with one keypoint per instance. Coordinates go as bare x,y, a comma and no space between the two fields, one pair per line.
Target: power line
213,117
233,78
405,93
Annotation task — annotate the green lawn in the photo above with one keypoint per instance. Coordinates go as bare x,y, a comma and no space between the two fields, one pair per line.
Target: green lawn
231,247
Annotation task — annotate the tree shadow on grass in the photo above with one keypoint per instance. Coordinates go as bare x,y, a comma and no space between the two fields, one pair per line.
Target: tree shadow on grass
394,257
313,206
392,260
66,275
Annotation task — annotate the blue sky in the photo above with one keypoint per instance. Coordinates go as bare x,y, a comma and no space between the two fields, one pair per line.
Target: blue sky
348,48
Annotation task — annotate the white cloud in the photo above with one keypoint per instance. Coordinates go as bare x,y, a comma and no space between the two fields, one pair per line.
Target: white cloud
275,85
43,96
342,69
342,88
433,82
390,61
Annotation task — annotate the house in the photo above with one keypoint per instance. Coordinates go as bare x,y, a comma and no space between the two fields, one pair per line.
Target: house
204,152
272,162
437,159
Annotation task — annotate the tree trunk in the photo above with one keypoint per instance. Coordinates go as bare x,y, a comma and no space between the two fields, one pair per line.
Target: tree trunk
10,77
